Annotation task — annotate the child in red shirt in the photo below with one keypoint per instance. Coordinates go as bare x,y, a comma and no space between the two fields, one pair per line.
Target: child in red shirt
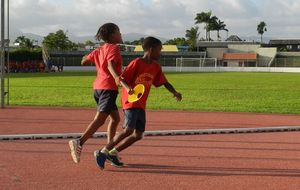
108,61
146,71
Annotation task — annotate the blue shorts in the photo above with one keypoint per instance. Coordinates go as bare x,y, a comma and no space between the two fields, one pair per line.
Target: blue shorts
106,100
135,119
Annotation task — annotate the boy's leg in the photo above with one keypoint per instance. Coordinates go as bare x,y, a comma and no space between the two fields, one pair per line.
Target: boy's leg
139,116
76,144
112,156
113,124
98,121
118,138
104,154
134,121
136,136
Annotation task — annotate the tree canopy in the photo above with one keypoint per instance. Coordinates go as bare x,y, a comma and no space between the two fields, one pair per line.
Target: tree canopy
206,18
24,42
192,36
58,41
261,29
211,23
177,41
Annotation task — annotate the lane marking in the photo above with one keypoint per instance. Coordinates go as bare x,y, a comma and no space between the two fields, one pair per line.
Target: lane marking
155,133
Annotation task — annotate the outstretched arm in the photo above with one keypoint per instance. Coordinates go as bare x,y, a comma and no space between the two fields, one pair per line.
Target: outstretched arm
171,89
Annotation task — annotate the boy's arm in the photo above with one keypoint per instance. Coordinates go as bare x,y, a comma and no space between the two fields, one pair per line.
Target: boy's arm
113,72
171,89
125,85
118,79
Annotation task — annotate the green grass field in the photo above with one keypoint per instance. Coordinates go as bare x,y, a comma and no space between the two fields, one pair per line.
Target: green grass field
226,92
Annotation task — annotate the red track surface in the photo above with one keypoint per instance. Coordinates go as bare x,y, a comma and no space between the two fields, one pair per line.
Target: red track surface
239,161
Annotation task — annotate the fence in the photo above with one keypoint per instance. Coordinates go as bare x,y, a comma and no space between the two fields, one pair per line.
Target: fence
286,62
71,61
74,58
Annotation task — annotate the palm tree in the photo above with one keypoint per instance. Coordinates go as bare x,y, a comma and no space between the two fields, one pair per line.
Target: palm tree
192,36
261,29
212,25
204,17
218,26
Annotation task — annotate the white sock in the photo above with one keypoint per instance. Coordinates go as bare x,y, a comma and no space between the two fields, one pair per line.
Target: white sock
114,152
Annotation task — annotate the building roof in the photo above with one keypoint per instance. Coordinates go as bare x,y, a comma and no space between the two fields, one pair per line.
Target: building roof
234,38
165,48
239,56
285,42
214,44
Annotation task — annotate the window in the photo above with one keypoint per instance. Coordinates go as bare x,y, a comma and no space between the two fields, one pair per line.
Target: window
298,46
289,47
250,64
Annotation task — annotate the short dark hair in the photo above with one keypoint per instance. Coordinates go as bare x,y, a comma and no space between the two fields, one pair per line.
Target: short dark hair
151,42
105,31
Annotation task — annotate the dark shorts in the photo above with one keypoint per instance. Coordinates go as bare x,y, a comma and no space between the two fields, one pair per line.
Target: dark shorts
135,118
106,100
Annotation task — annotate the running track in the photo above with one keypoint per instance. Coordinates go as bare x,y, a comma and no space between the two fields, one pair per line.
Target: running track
235,161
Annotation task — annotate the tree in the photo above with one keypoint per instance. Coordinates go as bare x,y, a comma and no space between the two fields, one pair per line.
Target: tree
58,41
24,42
89,43
219,25
192,36
81,45
212,25
204,17
261,29
84,45
177,41
138,42
127,42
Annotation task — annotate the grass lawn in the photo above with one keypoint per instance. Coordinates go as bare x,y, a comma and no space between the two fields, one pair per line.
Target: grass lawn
226,92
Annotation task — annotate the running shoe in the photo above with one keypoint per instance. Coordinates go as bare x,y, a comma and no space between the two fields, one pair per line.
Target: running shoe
114,160
100,158
75,150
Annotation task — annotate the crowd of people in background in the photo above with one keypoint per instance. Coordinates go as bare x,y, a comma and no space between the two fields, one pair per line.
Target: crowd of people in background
25,67
32,67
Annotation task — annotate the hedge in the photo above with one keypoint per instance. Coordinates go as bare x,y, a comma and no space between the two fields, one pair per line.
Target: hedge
24,54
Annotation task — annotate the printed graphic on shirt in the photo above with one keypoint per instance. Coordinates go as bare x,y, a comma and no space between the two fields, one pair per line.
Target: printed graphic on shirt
145,79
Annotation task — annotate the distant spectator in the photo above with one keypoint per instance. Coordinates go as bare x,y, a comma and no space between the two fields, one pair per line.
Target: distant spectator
60,67
19,67
49,64
42,67
13,67
52,68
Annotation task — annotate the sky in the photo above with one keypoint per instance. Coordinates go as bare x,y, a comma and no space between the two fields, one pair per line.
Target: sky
161,18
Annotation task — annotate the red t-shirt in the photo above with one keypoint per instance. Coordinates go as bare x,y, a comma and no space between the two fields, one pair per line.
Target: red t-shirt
139,72
101,56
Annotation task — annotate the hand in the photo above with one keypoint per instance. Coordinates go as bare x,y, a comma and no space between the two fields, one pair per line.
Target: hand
118,80
83,60
130,91
178,96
